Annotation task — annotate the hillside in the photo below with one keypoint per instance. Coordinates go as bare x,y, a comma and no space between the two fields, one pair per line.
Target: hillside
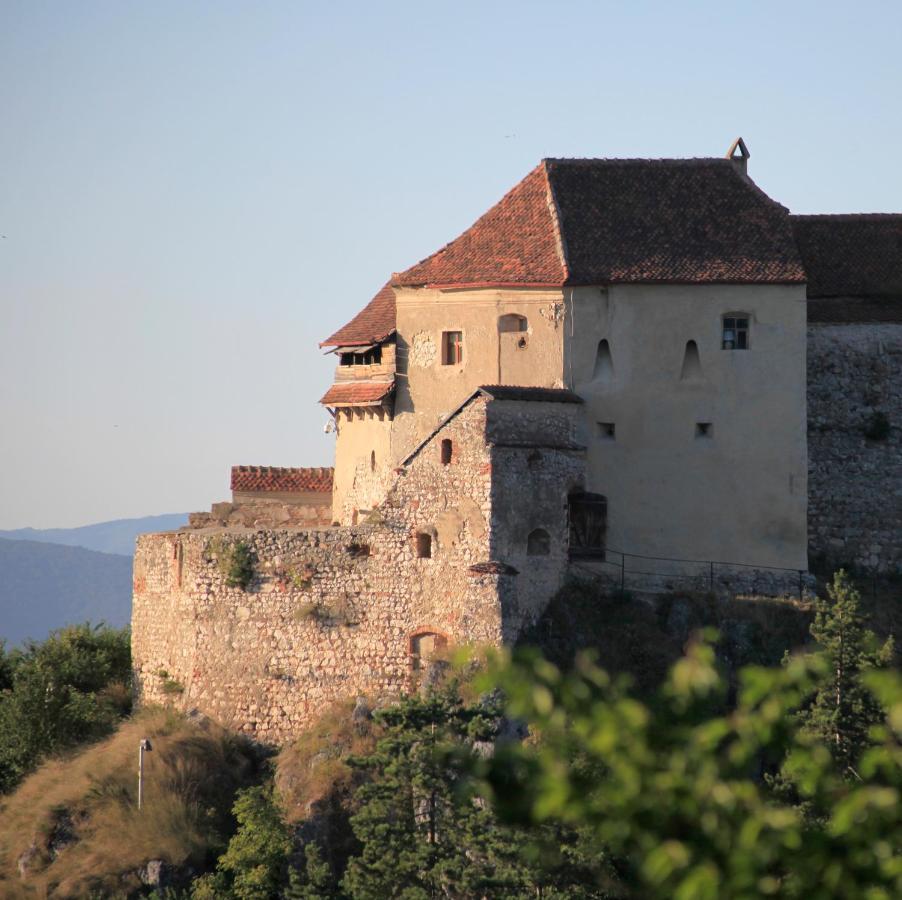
117,536
45,586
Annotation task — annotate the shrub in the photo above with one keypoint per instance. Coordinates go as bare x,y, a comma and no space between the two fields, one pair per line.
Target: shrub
70,688
235,561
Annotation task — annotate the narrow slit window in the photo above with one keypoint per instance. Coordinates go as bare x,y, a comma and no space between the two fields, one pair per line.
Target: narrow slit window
452,348
446,451
735,332
424,546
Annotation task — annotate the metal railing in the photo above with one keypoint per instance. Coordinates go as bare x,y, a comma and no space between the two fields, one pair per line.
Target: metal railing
705,573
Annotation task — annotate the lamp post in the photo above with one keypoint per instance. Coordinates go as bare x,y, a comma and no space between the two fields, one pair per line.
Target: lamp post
144,745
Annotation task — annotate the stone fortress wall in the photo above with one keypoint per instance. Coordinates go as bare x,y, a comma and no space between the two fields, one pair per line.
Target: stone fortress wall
336,612
855,445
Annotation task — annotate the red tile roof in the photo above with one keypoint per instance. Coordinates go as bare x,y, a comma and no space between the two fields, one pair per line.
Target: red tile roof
276,478
374,323
357,393
600,221
851,255
515,242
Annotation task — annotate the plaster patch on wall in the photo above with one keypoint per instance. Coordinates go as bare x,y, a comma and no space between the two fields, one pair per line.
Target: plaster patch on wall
554,313
422,349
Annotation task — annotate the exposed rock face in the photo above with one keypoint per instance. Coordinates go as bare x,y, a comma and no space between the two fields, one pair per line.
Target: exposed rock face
855,467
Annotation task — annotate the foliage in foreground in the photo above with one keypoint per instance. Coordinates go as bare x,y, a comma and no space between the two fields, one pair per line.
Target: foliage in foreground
70,688
674,792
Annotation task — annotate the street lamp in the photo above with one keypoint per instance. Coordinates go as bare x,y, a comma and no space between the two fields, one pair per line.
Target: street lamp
144,745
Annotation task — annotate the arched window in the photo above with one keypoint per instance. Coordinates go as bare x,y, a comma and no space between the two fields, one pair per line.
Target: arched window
692,364
538,543
604,363
512,322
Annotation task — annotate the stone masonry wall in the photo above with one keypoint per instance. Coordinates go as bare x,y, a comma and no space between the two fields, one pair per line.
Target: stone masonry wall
855,482
330,613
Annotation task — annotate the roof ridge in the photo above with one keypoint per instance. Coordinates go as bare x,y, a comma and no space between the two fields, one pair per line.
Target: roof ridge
640,160
555,210
849,217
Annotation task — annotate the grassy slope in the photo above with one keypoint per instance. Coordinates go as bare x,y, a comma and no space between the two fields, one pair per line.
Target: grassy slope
76,823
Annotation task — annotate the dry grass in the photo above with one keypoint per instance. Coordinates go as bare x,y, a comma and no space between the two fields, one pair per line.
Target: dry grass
314,767
77,819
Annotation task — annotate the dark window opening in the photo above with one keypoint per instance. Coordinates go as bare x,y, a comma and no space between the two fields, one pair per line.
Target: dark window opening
704,430
424,546
452,348
735,332
538,543
372,460
607,431
358,551
588,514
446,451
534,459
372,357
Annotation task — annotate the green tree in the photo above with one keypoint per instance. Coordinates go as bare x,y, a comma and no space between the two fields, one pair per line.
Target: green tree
670,789
842,710
315,882
70,688
423,831
255,864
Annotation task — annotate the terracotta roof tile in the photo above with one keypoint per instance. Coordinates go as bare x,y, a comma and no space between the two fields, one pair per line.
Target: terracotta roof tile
606,221
515,242
374,323
670,220
851,256
276,478
357,393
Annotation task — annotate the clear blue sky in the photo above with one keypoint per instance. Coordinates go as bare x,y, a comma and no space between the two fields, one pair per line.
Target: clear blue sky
192,195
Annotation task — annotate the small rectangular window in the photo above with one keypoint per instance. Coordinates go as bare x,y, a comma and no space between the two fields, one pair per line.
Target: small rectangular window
607,431
735,333
446,451
424,546
452,348
704,430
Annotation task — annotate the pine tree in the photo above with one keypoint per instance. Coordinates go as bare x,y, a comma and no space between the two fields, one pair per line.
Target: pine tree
315,882
842,710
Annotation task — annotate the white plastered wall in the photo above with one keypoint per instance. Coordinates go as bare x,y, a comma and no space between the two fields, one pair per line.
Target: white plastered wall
739,495
428,390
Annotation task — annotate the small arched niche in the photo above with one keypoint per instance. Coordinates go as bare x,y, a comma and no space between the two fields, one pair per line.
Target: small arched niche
692,364
603,373
538,543
512,322
424,646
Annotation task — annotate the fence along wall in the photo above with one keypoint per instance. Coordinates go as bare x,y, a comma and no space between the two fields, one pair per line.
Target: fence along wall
855,463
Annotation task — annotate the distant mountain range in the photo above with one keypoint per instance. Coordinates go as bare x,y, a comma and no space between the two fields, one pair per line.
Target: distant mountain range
117,536
62,576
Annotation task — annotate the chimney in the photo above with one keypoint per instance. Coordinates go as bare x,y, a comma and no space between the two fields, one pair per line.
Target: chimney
739,155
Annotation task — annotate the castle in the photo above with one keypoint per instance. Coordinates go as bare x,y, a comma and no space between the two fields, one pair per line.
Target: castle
642,371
